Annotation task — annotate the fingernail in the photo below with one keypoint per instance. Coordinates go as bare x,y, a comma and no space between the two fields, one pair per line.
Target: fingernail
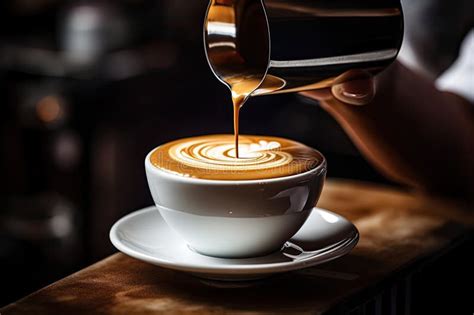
357,96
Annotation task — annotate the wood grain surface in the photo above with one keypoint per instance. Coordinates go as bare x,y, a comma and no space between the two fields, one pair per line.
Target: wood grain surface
397,229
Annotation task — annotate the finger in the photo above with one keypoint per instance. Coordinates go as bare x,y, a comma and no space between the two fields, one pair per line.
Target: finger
319,95
357,92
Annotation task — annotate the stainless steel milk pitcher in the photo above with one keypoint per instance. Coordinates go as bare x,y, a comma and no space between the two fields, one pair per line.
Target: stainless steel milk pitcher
289,46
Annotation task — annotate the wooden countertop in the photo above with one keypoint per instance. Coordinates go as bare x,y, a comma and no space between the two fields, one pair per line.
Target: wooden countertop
397,230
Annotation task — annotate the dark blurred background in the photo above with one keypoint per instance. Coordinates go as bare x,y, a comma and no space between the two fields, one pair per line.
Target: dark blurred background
87,88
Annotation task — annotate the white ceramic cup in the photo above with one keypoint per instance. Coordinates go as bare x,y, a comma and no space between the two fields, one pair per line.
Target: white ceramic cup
235,218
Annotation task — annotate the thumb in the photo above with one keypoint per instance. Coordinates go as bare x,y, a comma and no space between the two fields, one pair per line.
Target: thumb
356,92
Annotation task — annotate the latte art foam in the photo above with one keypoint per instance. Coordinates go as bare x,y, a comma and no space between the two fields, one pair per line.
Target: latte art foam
219,154
214,157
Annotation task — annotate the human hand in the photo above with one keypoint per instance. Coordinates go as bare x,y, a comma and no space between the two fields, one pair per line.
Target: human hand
355,87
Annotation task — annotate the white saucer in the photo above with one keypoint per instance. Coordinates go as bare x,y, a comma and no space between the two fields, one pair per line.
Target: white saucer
144,235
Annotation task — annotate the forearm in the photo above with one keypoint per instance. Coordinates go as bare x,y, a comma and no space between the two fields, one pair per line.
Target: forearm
413,133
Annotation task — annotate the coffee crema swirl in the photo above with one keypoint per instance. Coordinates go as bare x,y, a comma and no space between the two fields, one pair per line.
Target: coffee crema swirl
214,157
